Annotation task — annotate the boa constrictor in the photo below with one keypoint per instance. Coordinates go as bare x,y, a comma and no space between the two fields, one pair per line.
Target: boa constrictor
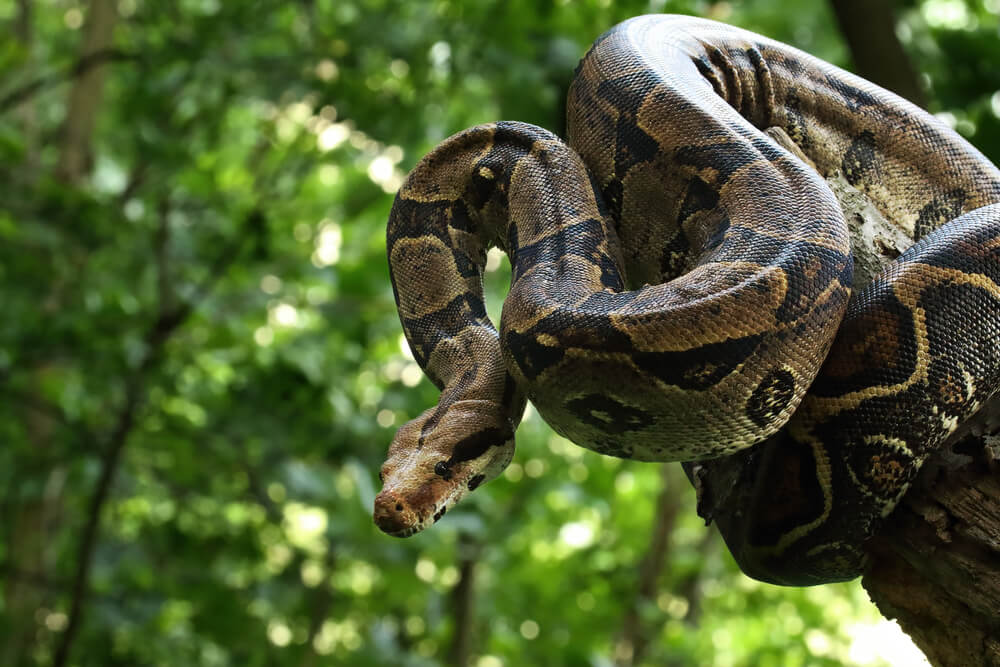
681,290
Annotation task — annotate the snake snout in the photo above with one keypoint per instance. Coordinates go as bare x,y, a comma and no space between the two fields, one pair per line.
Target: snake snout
393,516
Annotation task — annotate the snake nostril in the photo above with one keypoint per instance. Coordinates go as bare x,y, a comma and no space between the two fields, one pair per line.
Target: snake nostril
394,515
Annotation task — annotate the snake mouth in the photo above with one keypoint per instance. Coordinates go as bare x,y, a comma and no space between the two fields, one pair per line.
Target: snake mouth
406,532
395,517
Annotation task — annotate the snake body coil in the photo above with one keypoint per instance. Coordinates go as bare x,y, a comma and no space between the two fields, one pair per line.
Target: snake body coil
681,290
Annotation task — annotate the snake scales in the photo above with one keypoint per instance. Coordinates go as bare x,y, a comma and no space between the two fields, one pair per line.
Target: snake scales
681,290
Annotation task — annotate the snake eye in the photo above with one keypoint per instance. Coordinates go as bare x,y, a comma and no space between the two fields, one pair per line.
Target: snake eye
441,468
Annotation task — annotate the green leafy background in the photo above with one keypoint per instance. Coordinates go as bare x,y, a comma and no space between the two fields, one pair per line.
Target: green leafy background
209,317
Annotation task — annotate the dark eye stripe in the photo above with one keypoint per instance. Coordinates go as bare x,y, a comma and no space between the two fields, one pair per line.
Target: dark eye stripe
476,445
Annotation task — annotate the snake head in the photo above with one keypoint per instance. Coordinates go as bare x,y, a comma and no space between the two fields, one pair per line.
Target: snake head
439,457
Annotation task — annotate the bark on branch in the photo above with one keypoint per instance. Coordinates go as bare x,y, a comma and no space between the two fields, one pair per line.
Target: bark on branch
936,566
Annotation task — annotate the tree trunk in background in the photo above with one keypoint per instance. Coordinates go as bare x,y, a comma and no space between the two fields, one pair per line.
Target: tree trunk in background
75,158
30,556
635,635
463,602
32,515
24,31
85,96
869,28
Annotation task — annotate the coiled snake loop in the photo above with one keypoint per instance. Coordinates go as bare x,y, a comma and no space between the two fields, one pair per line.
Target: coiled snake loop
681,290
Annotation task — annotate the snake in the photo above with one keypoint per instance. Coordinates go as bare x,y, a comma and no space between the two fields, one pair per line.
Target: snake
681,290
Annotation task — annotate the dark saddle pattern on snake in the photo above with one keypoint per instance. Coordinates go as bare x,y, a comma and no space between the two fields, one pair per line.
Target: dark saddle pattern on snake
682,290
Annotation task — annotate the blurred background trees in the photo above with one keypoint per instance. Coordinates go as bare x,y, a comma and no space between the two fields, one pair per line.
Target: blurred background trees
201,366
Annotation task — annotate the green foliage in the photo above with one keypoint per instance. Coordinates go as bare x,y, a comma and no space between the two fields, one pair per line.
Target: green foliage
213,303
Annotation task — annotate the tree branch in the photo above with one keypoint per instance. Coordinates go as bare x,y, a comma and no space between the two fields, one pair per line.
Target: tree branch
933,563
83,65
869,27
934,567
166,323
46,409
161,241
